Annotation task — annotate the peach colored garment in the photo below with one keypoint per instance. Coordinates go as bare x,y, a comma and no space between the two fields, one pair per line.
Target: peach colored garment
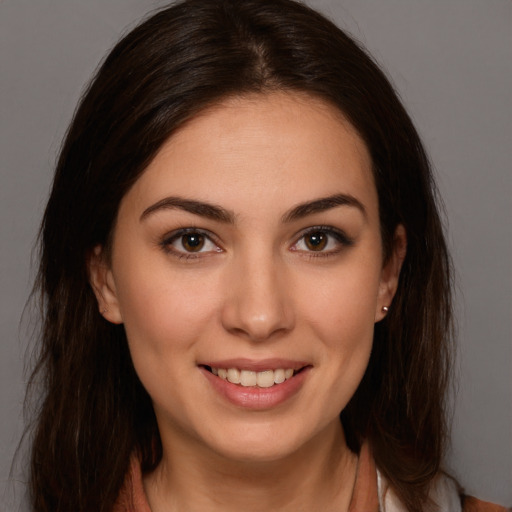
473,505
132,497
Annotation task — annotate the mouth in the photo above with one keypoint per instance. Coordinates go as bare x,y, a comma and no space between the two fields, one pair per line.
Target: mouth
256,385
259,379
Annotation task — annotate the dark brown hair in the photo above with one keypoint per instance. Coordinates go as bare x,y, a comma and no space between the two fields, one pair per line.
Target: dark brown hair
94,411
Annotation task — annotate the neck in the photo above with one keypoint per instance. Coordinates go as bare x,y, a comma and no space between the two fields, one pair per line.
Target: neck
319,476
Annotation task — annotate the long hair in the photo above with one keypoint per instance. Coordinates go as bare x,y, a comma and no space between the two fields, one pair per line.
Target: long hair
93,409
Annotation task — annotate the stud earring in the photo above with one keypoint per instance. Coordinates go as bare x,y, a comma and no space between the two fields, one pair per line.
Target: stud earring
385,309
103,311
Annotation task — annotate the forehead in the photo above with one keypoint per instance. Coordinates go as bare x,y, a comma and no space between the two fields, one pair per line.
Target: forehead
279,147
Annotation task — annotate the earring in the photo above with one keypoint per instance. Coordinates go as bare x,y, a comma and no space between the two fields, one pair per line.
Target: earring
103,311
385,309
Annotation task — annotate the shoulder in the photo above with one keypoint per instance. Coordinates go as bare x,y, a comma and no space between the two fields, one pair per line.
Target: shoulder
445,493
132,497
471,504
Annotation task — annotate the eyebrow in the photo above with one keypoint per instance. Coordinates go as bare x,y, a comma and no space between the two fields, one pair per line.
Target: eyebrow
210,211
220,214
321,205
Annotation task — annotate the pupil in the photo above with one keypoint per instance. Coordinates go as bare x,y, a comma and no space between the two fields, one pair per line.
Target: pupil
193,242
316,241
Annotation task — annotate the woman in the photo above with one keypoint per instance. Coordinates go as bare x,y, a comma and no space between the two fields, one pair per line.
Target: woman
241,247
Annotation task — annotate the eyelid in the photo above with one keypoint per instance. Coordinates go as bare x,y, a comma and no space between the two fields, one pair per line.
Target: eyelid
339,235
171,237
341,238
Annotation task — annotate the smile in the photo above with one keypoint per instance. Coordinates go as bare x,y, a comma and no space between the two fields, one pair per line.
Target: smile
256,385
248,378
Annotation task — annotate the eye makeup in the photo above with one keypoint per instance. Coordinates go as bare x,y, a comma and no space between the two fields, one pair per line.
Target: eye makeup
315,241
322,241
190,243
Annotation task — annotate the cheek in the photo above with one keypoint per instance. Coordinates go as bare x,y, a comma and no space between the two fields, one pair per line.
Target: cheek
165,318
340,311
342,303
163,310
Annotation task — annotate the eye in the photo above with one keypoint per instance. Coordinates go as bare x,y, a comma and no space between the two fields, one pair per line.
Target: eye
316,241
190,242
322,240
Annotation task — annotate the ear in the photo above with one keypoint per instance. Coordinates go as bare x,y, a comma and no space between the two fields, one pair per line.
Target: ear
103,285
391,272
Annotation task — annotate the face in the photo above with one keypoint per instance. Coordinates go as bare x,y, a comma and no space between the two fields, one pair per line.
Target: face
247,269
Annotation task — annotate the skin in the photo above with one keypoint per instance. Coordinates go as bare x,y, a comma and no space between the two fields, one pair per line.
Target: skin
257,289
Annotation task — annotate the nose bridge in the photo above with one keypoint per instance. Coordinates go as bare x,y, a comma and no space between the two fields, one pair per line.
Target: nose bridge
259,304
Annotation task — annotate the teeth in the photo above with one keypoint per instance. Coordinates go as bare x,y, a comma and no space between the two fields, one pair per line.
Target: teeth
234,375
247,378
265,379
279,376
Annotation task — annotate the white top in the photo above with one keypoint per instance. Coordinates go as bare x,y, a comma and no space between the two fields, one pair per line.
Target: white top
444,493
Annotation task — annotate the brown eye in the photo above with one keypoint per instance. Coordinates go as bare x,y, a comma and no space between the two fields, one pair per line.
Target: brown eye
190,243
193,242
322,241
316,241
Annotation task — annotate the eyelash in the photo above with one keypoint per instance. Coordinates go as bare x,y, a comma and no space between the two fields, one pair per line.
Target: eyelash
176,235
339,236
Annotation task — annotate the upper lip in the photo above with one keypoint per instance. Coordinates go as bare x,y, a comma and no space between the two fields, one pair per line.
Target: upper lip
256,365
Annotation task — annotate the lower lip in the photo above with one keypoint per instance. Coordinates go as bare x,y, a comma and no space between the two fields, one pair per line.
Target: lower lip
253,397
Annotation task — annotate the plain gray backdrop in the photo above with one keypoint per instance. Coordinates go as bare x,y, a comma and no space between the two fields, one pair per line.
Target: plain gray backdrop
451,61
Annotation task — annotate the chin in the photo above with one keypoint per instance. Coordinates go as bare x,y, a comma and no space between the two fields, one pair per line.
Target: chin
261,443
255,453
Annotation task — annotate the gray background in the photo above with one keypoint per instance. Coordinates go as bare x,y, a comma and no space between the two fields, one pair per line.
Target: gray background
451,61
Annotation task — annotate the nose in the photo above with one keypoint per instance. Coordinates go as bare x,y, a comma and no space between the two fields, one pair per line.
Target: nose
258,303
